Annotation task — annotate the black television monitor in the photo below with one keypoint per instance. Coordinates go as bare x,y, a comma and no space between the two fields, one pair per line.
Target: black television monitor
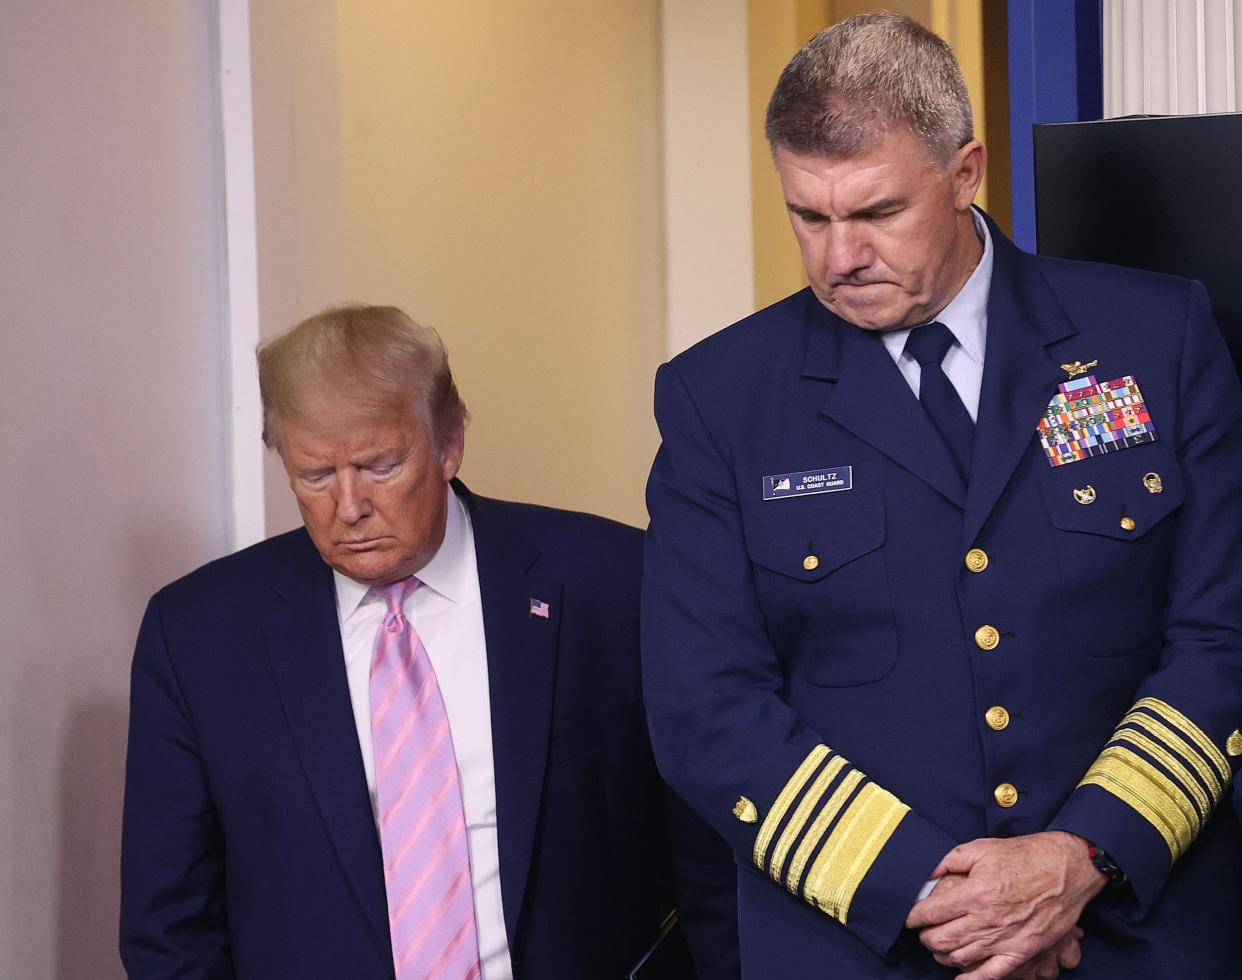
1154,192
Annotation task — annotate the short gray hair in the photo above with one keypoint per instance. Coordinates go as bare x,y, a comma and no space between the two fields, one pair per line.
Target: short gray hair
357,362
855,81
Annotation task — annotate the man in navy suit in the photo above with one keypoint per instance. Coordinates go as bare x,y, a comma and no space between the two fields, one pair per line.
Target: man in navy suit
942,619
406,740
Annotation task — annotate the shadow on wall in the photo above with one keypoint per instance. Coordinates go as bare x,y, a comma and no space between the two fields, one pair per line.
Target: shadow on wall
92,777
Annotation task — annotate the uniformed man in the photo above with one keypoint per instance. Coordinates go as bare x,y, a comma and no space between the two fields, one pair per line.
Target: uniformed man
942,621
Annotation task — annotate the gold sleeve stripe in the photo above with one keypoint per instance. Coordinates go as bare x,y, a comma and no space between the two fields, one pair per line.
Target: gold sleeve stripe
851,849
813,836
1172,764
1196,734
1149,792
786,796
810,800
1174,741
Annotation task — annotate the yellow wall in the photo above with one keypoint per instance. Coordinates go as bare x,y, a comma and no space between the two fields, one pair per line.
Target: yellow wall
778,28
501,174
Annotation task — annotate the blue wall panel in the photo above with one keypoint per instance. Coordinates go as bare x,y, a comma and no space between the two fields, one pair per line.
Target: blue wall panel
1055,75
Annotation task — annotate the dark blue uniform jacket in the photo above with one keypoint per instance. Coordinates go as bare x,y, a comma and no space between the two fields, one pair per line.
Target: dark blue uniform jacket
821,669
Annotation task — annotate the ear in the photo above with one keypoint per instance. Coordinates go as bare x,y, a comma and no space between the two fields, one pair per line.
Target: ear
966,173
452,451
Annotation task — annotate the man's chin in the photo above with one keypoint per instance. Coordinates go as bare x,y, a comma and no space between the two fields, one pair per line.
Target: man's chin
371,568
867,316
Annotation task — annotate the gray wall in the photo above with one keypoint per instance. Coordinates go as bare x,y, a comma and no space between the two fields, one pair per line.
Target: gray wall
112,426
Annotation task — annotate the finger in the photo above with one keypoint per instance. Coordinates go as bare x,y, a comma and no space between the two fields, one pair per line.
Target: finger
1069,954
993,968
946,943
978,951
953,898
961,859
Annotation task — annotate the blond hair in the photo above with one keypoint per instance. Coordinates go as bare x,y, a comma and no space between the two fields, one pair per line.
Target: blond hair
855,81
358,362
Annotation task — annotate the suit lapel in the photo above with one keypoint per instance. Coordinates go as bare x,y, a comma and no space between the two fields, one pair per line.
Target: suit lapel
1020,375
304,646
521,664
872,400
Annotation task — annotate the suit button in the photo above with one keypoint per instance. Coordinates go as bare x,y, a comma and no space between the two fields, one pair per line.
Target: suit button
976,560
987,638
1233,744
1006,794
1127,524
997,718
810,563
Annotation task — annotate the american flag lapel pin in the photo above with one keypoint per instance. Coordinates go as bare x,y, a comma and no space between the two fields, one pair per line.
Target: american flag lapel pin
539,608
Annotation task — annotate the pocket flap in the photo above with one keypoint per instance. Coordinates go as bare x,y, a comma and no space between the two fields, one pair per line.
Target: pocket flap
782,534
1122,495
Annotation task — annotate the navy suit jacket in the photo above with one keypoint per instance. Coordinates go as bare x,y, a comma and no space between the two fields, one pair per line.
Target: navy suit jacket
249,845
818,676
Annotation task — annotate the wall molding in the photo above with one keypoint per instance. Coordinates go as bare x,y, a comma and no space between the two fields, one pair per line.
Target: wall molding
241,279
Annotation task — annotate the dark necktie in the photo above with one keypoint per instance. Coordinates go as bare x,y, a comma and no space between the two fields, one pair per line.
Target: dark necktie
928,345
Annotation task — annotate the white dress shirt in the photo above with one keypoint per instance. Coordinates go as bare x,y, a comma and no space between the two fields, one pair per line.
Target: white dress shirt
966,316
446,611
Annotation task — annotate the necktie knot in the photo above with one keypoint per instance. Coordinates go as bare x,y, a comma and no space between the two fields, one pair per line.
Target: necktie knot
928,344
394,595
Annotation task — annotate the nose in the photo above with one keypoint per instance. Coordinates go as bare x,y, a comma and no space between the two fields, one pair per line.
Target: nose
353,504
848,250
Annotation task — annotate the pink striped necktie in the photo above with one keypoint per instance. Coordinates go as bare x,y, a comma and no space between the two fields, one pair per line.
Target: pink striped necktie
422,822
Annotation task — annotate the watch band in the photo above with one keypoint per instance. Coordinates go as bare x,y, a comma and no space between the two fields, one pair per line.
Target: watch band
1104,864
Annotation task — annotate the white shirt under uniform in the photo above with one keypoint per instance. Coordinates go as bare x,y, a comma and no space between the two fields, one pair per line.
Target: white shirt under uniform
447,613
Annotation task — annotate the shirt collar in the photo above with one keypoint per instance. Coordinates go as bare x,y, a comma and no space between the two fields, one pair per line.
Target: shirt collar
966,316
447,573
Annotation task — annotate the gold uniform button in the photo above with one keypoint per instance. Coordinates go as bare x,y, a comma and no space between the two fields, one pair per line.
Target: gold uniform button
1006,794
997,718
1233,744
987,638
976,560
810,563
746,811
1127,524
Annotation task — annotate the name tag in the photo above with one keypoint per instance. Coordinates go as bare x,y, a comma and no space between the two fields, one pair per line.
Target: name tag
807,482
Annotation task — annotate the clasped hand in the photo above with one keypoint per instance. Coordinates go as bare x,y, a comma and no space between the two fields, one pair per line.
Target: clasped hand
1009,908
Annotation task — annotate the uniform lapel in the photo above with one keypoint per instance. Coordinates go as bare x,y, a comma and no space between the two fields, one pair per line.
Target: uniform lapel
1020,375
521,664
304,646
872,400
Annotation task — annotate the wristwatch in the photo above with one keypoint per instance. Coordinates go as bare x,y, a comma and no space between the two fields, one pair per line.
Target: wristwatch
1104,864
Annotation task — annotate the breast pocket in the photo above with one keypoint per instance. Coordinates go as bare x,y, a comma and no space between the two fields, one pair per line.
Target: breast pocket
1114,524
819,569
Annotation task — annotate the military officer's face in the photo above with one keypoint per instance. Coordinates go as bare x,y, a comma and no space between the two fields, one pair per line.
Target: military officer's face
886,236
373,494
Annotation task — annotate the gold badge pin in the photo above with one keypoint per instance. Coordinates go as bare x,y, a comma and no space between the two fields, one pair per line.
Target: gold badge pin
746,811
1085,495
1233,744
1153,483
1075,368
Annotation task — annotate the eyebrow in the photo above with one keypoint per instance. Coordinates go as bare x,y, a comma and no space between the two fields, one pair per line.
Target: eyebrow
872,210
390,455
